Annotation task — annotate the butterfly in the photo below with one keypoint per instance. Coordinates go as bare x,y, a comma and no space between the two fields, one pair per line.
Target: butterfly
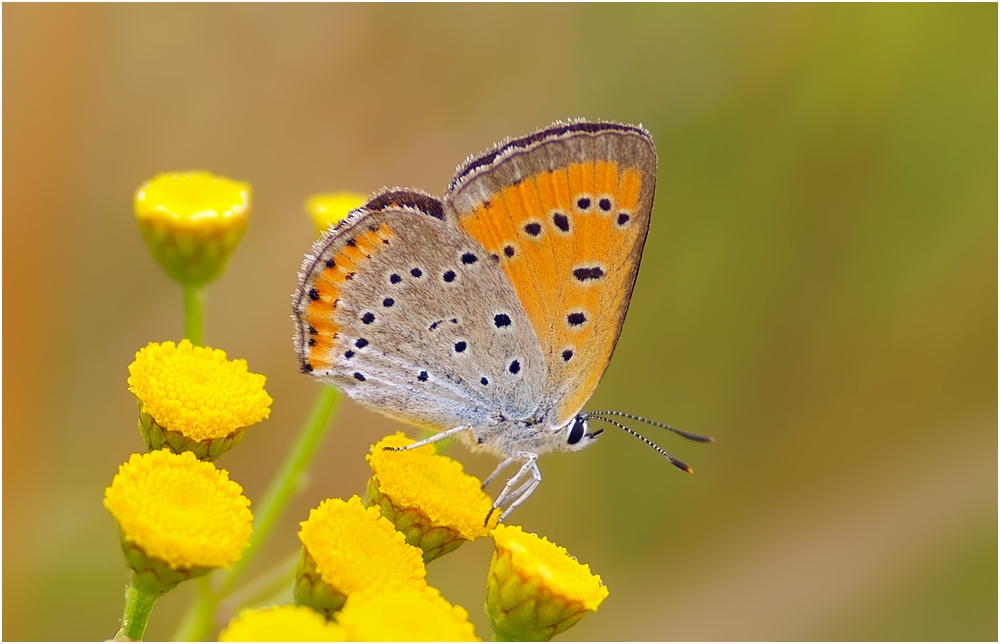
489,314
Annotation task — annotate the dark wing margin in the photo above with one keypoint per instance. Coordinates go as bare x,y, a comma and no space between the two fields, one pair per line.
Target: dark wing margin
556,130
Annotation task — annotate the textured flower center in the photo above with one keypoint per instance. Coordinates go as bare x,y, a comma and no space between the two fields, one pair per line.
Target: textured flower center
180,510
534,557
405,615
434,485
281,624
355,548
196,391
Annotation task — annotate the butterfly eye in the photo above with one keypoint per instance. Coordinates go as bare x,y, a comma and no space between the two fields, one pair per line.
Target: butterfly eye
579,429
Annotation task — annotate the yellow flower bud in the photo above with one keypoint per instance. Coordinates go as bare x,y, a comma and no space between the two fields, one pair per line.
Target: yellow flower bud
404,615
330,208
179,517
192,221
194,399
281,624
428,497
535,589
347,548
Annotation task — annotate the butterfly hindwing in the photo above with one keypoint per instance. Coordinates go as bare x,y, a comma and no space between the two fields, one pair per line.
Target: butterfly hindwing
413,318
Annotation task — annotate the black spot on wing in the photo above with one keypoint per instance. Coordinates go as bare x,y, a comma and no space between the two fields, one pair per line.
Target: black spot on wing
586,274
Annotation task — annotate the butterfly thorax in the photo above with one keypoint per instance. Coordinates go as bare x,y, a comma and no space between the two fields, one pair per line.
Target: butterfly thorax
504,437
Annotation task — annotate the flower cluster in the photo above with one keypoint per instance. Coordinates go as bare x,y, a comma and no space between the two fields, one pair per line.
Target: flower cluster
178,515
365,571
361,572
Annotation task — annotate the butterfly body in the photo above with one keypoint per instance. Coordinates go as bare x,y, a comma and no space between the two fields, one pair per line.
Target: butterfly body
491,313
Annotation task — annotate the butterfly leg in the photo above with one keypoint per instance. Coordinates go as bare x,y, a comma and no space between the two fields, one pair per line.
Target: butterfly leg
500,468
448,433
520,494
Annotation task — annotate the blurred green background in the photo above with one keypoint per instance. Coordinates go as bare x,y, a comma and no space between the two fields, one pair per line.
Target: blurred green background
819,289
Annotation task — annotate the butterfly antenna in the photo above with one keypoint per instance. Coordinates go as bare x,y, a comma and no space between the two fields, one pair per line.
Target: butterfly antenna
678,464
688,435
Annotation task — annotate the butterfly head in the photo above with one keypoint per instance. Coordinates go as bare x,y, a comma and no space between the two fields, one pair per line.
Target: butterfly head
577,434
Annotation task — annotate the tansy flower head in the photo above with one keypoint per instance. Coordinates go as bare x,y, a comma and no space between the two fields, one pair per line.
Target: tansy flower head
329,208
428,497
192,221
535,589
404,615
348,548
281,624
178,516
193,399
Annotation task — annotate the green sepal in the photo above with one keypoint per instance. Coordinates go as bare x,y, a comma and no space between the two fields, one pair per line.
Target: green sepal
434,541
193,256
156,437
310,589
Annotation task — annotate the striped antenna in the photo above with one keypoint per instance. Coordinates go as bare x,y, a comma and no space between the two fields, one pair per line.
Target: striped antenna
678,464
688,435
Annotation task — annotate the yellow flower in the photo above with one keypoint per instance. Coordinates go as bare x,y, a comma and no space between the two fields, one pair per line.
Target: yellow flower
535,589
192,221
281,624
428,497
193,399
329,208
348,548
405,615
178,516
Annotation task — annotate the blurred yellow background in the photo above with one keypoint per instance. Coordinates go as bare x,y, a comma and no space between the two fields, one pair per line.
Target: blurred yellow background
818,292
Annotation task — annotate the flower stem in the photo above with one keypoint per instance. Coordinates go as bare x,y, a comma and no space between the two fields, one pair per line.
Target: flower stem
275,581
286,482
196,625
194,314
139,602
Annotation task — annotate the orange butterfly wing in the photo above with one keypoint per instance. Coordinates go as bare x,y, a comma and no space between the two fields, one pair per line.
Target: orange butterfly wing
566,210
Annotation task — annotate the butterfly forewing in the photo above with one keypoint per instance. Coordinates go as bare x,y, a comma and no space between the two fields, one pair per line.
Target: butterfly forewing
566,211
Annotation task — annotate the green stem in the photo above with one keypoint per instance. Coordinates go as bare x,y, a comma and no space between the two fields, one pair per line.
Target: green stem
139,604
194,314
196,624
286,482
278,579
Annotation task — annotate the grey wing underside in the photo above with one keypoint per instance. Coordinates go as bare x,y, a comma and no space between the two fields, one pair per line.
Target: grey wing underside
427,329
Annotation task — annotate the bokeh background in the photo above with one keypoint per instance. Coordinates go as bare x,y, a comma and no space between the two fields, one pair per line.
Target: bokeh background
819,289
